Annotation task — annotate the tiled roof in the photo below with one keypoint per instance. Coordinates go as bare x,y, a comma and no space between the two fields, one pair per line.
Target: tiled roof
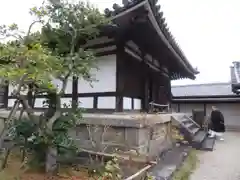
127,4
213,89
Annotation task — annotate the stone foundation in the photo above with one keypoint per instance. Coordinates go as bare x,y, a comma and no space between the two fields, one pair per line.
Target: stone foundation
147,135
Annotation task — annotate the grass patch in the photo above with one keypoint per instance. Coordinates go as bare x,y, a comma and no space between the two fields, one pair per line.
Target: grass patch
189,165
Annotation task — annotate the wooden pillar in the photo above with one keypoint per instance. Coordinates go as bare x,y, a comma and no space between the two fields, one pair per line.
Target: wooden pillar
75,93
5,101
145,85
145,100
30,95
205,109
132,101
119,103
150,88
120,83
178,105
95,102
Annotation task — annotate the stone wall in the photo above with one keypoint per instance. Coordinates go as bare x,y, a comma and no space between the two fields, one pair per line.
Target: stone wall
148,135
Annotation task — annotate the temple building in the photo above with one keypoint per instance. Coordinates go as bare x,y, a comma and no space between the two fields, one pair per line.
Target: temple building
137,57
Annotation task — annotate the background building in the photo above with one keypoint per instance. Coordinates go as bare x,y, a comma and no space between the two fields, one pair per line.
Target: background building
204,96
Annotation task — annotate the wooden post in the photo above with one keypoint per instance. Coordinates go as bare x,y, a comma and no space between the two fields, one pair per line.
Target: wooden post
120,78
119,103
30,95
6,94
75,93
95,102
146,94
144,102
132,101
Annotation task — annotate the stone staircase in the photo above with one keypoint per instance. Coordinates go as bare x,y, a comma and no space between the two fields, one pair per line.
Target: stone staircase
197,137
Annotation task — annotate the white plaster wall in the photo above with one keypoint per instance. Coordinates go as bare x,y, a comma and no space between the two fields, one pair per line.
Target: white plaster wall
10,90
105,76
106,103
137,104
39,102
11,102
67,101
85,102
56,82
127,103
106,81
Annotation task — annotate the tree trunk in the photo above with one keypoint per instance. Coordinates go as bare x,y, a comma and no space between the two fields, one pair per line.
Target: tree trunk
51,154
51,160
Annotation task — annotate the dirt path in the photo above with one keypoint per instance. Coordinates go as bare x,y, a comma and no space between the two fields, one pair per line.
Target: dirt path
221,164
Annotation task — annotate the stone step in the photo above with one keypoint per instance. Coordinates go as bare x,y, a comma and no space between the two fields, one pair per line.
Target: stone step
188,120
198,139
200,136
208,144
169,163
190,125
194,130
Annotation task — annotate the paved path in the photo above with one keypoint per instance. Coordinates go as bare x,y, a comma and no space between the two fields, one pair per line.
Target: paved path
221,164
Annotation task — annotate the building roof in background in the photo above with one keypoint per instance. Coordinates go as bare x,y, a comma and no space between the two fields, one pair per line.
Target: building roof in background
203,90
235,77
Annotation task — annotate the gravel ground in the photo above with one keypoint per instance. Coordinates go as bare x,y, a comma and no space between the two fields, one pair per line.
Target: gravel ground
223,163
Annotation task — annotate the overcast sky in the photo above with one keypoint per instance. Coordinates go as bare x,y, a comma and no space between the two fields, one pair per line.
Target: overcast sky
208,31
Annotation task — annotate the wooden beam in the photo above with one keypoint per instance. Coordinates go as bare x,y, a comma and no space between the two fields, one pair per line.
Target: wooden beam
97,41
70,95
148,63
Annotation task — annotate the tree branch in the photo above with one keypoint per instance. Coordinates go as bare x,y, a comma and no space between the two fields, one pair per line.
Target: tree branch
30,28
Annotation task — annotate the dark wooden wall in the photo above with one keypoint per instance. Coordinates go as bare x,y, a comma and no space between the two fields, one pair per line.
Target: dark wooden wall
130,76
136,80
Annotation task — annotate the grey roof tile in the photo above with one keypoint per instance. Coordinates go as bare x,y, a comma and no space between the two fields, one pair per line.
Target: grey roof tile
235,72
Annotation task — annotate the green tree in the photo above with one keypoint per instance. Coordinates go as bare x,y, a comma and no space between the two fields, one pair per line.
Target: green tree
33,60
